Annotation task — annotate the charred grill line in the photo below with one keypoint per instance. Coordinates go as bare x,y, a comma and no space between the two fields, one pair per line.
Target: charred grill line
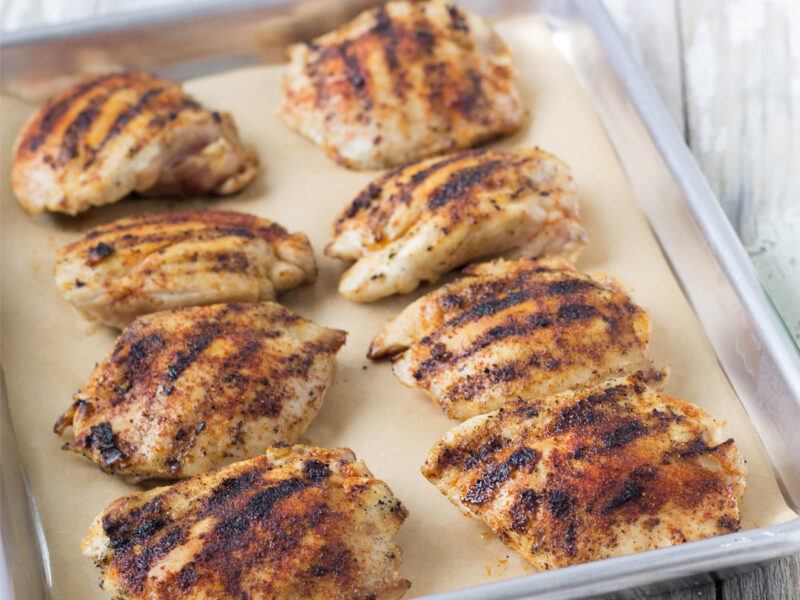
485,488
194,346
121,121
594,485
461,183
53,113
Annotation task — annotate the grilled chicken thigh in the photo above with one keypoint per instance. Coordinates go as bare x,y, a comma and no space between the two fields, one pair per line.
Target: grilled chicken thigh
296,522
581,476
143,264
126,132
399,82
189,389
510,329
423,219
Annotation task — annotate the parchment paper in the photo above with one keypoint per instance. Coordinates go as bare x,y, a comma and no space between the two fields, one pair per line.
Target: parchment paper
48,350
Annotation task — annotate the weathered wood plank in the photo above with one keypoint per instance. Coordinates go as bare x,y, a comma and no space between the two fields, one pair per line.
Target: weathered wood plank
780,580
742,66
739,108
705,591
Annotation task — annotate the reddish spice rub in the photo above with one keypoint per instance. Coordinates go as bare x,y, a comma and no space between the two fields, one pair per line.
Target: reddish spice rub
430,216
296,522
186,390
584,475
402,81
516,329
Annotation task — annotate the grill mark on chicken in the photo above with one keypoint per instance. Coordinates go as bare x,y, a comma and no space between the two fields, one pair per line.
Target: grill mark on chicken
577,312
126,116
75,131
75,152
365,199
484,489
388,33
136,526
352,68
525,505
437,214
234,486
136,363
432,87
291,519
135,564
143,264
461,183
52,116
425,38
194,346
624,434
583,412
219,223
457,20
472,102
523,328
611,460
632,489
511,328
260,384
489,298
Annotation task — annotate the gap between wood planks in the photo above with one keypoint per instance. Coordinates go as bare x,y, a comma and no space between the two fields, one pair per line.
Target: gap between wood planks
729,73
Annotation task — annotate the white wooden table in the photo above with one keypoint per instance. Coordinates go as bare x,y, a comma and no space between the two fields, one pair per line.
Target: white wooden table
729,73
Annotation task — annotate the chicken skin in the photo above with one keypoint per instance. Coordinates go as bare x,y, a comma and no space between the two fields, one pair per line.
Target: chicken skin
189,389
121,133
140,265
587,475
400,82
516,329
423,219
296,522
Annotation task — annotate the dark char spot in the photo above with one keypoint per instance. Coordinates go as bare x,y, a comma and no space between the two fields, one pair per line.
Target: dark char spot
101,438
99,252
316,470
559,502
574,312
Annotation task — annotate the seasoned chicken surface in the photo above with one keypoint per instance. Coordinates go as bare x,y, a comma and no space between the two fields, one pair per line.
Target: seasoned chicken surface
189,389
297,522
510,329
125,132
140,265
423,219
400,82
581,476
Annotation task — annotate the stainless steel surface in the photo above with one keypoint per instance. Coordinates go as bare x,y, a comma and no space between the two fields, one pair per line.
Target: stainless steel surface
176,43
753,347
24,571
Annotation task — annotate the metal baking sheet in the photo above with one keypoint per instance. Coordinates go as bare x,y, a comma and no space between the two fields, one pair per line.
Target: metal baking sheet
754,349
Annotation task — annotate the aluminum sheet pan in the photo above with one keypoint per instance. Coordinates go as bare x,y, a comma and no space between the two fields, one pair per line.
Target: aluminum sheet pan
752,345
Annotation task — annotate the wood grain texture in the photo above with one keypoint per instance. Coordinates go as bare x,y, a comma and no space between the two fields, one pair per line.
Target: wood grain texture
780,580
742,92
729,73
